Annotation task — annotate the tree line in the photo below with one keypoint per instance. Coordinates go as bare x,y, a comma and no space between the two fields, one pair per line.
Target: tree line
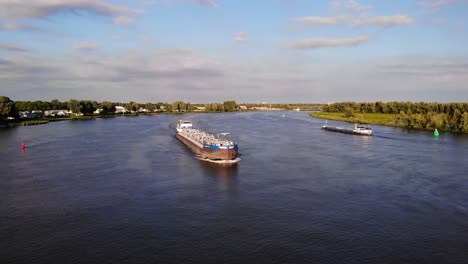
11,109
443,116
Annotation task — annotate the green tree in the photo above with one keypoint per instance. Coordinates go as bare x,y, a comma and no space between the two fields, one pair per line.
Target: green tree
178,106
150,107
88,107
74,106
348,112
230,106
7,108
107,107
464,123
55,104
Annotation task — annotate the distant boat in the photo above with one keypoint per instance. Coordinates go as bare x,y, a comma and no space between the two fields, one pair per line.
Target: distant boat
297,109
358,130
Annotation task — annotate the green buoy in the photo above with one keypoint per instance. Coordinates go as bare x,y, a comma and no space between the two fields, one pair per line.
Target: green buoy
436,133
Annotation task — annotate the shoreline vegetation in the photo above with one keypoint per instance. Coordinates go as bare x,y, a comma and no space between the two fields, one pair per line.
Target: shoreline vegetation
27,113
364,118
447,117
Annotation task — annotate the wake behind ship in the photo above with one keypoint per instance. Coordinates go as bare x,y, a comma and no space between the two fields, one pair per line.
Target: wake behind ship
206,146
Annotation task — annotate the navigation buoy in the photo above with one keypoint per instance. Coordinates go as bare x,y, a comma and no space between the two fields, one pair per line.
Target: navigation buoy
436,133
23,145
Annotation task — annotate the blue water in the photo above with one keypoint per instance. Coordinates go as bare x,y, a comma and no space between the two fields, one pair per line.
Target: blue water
124,190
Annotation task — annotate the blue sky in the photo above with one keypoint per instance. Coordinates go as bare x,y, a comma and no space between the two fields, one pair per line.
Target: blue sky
215,50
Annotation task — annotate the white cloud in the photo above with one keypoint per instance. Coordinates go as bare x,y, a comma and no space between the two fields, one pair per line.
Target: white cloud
13,26
385,21
123,21
321,20
317,43
355,6
12,48
85,46
335,5
172,74
211,3
177,72
15,9
146,38
240,37
438,4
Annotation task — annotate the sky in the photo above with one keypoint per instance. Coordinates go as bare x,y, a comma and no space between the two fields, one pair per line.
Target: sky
276,51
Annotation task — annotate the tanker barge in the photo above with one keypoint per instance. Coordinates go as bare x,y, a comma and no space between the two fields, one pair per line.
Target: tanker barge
358,130
207,146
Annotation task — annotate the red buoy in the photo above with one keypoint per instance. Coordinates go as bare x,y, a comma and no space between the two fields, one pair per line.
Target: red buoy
23,145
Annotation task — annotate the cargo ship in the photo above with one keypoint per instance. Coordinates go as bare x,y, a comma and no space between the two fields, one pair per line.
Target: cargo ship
358,130
207,146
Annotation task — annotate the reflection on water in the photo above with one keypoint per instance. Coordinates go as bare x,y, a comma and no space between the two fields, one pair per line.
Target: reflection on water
224,174
362,139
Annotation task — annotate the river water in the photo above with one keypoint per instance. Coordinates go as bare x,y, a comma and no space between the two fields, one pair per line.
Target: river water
124,190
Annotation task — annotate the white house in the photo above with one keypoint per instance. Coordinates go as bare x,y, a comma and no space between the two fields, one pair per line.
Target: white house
31,114
57,113
120,109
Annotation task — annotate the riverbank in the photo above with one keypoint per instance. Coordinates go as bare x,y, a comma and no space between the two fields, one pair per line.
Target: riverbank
363,118
46,120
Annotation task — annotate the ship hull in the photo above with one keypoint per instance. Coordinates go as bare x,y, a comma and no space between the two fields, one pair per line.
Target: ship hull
208,153
347,131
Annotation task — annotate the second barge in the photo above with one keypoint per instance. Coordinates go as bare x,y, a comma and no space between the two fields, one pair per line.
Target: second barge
358,130
206,146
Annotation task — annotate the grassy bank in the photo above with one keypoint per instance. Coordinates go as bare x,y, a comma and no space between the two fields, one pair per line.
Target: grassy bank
363,118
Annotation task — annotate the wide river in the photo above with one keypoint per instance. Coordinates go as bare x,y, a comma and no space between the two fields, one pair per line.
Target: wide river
125,190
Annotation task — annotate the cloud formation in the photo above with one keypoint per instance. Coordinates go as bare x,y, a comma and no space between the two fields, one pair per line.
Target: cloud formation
146,38
385,21
211,3
174,74
12,48
322,20
14,9
355,6
438,4
85,46
173,70
317,43
14,26
240,37
123,21
335,5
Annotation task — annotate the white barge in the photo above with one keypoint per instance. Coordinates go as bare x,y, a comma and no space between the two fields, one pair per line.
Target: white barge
358,130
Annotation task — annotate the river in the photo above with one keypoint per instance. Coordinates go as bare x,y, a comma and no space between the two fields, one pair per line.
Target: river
124,190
